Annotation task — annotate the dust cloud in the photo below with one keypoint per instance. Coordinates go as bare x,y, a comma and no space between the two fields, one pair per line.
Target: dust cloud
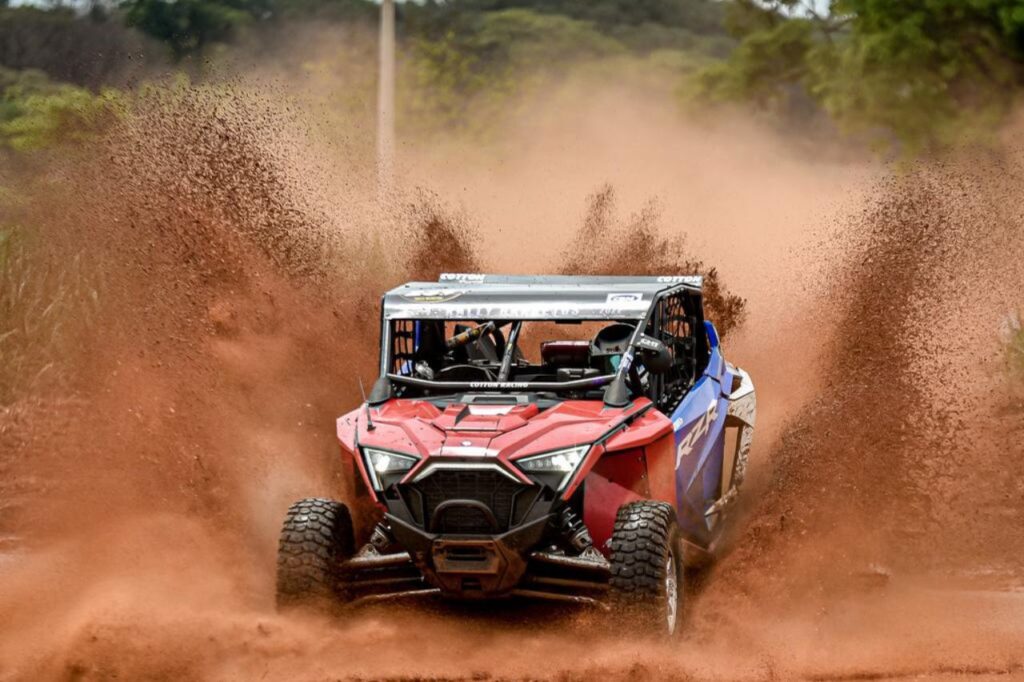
238,263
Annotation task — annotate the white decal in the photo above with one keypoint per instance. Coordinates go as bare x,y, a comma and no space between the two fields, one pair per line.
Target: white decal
484,311
497,384
624,298
461,277
648,343
433,295
694,280
699,430
455,310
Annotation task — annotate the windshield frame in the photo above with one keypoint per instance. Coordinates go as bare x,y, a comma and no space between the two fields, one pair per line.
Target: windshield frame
616,392
503,385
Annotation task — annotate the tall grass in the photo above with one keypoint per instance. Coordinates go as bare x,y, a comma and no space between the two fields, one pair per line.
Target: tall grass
45,306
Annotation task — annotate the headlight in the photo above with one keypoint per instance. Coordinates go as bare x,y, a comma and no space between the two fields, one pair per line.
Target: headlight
562,462
383,464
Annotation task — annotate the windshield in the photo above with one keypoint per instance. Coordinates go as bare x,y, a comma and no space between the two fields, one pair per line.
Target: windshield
431,357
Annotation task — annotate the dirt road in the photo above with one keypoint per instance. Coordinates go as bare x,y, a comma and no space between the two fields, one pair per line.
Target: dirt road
140,495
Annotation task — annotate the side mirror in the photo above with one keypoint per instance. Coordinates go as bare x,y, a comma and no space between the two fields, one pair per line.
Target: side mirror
655,354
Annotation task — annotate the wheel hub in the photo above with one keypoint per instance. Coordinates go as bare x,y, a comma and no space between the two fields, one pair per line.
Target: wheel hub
671,593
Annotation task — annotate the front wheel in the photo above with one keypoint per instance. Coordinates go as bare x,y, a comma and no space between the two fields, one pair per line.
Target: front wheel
315,538
647,567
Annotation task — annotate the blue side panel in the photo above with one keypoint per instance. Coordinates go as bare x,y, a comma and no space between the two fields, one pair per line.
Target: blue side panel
699,424
712,474
715,363
712,334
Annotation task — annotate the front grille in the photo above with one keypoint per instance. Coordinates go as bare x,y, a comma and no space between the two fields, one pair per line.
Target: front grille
507,500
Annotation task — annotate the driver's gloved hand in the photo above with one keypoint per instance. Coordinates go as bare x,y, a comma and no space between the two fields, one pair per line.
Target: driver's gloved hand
423,371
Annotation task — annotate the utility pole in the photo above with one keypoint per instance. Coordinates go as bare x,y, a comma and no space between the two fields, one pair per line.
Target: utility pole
386,100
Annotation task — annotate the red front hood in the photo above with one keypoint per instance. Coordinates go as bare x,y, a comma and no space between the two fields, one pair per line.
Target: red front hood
507,431
469,432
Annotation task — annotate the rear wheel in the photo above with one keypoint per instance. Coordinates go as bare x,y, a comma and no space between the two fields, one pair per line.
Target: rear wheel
647,567
315,538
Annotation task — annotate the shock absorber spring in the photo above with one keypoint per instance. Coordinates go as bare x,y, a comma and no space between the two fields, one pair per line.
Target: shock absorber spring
381,537
575,531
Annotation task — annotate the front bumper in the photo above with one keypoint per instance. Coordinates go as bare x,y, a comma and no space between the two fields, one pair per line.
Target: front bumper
510,564
473,532
471,566
475,568
469,527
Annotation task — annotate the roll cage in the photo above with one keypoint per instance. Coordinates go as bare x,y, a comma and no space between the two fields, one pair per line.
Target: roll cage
667,309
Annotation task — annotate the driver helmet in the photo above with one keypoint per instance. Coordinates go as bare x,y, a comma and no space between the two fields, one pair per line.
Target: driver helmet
608,346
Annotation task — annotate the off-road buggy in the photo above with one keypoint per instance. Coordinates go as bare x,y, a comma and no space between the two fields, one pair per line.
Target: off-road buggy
562,438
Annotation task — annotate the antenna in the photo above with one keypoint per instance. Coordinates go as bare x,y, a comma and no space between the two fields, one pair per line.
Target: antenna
369,419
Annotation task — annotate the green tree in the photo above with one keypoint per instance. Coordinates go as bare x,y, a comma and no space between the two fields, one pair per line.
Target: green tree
493,55
927,74
770,60
642,25
932,73
189,26
325,10
702,16
90,49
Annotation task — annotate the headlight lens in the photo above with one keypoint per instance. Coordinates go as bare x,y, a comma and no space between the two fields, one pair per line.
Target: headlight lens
562,462
384,464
